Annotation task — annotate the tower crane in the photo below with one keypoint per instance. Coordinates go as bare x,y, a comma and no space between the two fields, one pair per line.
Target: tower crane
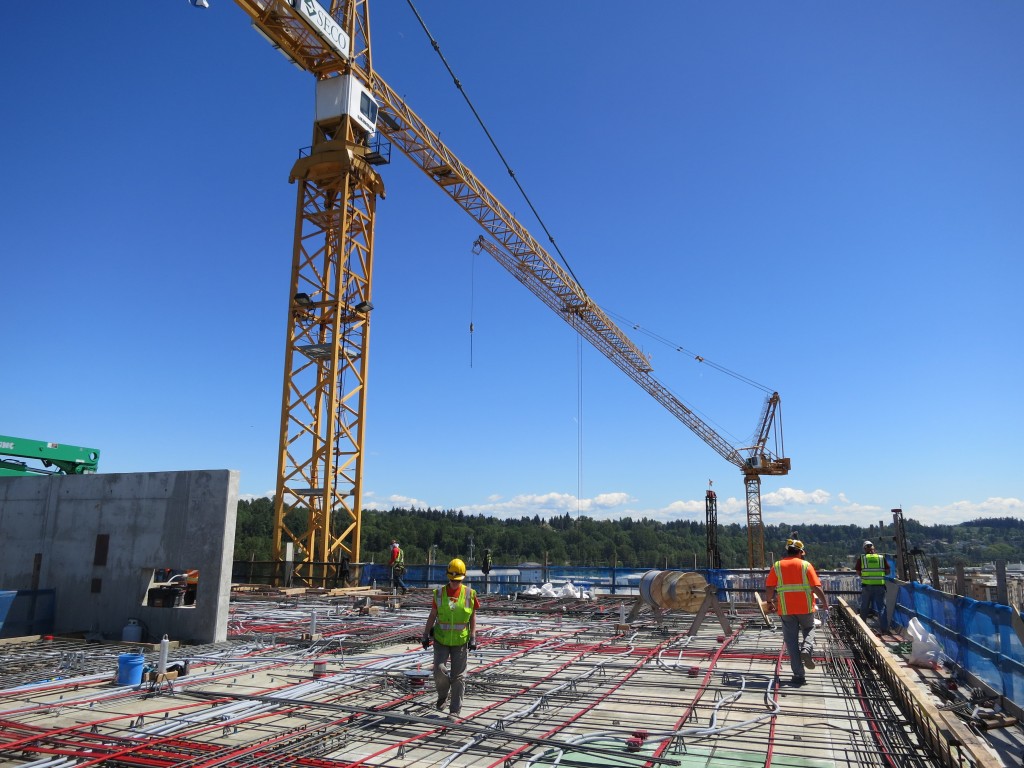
358,119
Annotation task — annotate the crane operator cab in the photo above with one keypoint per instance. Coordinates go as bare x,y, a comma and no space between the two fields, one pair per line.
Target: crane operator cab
346,95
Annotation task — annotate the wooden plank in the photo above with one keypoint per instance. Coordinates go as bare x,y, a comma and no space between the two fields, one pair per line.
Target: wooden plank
956,733
762,606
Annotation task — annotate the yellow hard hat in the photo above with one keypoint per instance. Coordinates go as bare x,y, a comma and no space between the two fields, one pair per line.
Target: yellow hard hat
456,570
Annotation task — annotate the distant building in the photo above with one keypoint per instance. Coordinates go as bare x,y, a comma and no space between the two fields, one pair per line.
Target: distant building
980,584
494,580
531,573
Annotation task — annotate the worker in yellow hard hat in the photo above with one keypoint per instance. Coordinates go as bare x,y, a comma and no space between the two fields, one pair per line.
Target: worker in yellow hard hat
452,627
790,588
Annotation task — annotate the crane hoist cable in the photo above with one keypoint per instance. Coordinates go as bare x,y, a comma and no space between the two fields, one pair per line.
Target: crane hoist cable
472,302
579,424
458,84
679,348
512,174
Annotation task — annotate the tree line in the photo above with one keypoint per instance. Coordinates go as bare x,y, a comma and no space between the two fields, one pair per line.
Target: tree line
432,535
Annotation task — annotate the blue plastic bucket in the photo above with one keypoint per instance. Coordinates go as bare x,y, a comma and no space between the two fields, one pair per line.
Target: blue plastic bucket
129,668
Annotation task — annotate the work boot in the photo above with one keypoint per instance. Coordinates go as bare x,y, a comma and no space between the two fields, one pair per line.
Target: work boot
807,658
440,701
799,680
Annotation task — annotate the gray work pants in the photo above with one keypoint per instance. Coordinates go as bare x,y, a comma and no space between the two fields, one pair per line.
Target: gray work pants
451,680
797,635
872,598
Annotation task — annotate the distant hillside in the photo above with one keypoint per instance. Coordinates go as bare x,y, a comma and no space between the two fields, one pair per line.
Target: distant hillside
583,541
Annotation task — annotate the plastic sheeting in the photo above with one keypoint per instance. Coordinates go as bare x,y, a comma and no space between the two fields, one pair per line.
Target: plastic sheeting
925,650
548,590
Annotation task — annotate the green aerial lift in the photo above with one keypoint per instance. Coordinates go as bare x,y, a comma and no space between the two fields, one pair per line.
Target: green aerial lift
57,458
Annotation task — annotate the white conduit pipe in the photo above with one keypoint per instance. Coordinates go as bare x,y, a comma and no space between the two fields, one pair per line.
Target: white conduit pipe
527,711
225,714
709,731
685,644
50,762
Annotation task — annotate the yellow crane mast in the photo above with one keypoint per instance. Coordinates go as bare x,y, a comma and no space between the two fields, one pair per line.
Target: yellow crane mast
317,519
326,358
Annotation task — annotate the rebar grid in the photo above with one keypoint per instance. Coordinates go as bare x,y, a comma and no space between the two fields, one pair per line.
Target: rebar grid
563,685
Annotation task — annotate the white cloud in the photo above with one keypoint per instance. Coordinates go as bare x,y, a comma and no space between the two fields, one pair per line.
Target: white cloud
859,512
789,506
253,496
961,511
788,496
550,505
608,500
684,508
395,500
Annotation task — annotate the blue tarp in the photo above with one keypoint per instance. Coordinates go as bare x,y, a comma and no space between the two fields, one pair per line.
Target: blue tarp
6,598
979,637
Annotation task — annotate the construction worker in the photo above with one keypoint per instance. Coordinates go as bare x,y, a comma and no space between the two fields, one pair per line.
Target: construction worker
397,567
873,568
452,627
790,589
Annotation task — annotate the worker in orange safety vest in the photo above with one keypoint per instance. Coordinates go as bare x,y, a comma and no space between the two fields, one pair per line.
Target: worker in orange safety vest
790,589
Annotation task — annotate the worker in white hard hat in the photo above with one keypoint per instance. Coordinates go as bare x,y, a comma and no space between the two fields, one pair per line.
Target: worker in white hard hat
451,626
873,568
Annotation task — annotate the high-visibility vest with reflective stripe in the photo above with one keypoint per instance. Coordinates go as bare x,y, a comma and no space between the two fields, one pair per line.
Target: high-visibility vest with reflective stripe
451,627
794,597
872,569
399,556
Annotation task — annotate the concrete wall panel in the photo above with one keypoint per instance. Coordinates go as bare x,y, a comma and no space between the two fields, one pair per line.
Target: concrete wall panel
150,521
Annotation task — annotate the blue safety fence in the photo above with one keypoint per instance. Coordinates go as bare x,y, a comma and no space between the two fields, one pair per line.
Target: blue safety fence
731,585
976,636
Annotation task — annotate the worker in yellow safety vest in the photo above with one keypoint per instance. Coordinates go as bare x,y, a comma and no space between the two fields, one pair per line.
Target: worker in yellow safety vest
790,589
873,568
452,627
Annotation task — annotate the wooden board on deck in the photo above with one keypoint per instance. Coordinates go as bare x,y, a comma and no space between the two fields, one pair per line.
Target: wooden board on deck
762,606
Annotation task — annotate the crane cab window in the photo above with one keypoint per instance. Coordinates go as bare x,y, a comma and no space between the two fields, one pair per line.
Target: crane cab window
368,108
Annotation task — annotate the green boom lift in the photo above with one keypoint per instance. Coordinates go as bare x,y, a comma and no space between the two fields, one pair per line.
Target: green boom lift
57,458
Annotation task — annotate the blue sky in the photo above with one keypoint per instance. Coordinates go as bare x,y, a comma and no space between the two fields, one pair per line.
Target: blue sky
827,198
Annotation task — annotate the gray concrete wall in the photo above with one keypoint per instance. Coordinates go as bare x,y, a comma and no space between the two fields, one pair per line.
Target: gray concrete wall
49,533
